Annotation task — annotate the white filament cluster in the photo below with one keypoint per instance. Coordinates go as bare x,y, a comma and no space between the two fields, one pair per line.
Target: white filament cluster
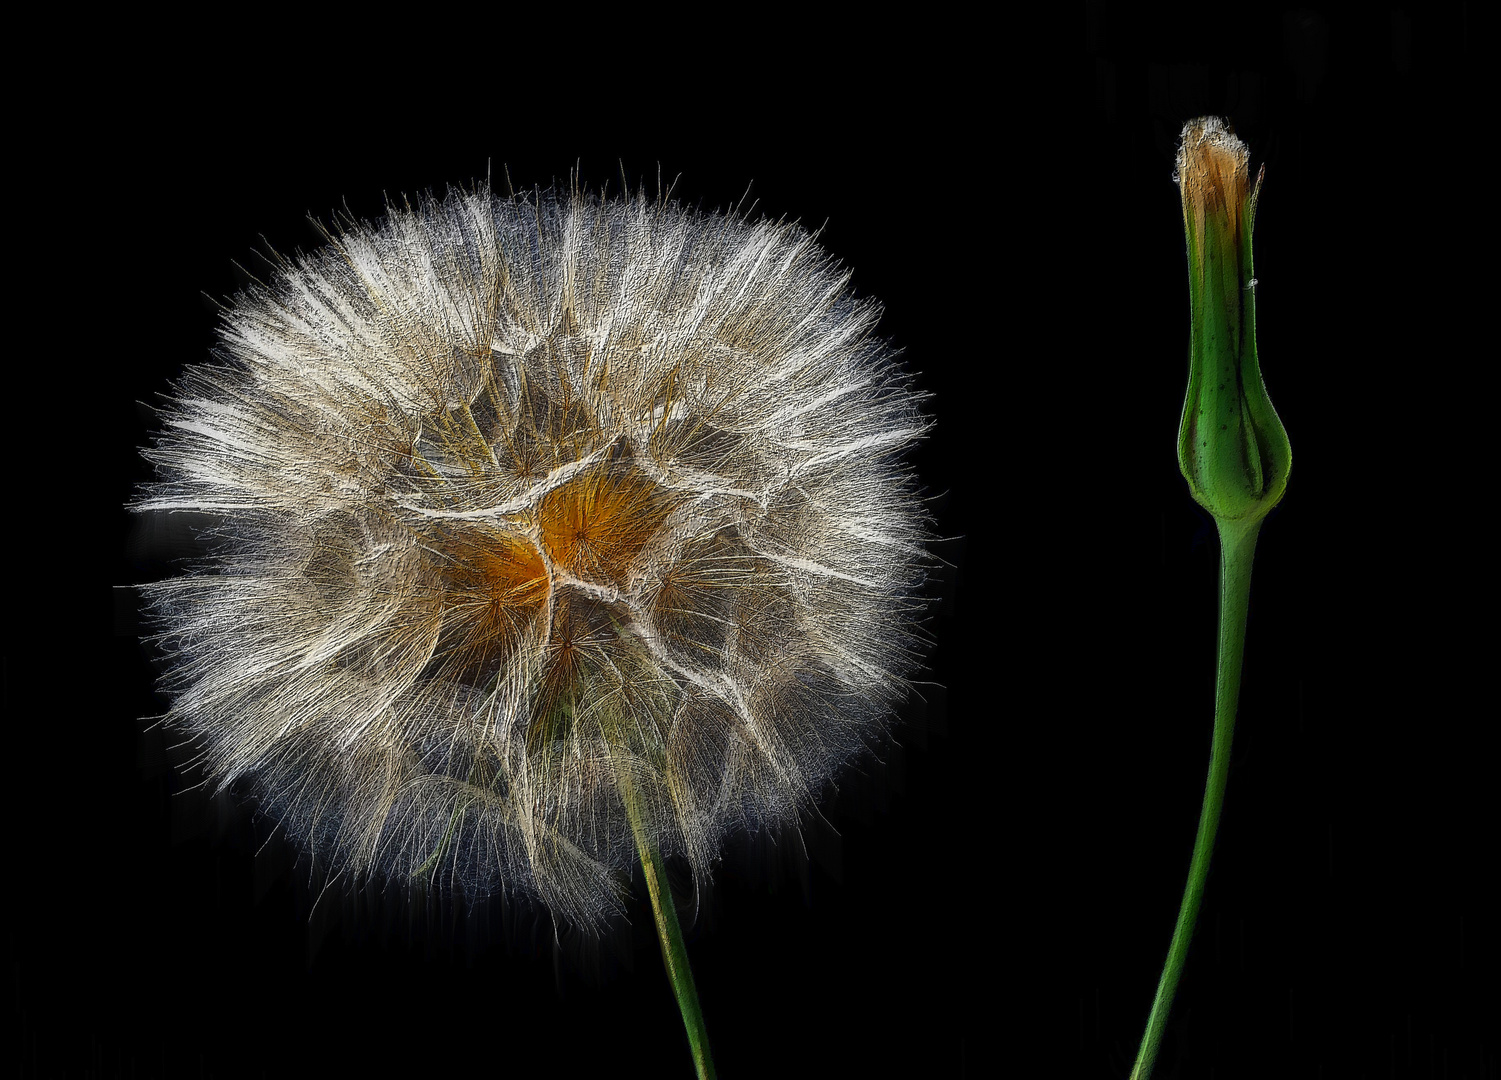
540,515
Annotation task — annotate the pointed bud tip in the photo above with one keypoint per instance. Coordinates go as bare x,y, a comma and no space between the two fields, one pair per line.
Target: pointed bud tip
1213,166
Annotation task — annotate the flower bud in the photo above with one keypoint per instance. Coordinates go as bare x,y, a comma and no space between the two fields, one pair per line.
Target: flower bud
1232,448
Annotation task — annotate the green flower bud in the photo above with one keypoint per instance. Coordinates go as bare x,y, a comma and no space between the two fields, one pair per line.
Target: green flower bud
1232,448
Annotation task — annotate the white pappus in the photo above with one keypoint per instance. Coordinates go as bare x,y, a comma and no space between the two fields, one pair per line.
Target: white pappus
529,507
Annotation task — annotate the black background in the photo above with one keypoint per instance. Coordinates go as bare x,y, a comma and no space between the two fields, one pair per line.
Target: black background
996,898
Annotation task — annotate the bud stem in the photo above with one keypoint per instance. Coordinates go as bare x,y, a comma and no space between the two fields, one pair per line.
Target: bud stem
1237,549
670,933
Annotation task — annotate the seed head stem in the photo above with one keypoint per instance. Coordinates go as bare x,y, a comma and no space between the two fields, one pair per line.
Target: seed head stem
670,934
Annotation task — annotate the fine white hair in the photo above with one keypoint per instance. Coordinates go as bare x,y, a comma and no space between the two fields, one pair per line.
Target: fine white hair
532,508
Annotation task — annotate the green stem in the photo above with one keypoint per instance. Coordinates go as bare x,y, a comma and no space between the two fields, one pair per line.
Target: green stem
674,951
1237,549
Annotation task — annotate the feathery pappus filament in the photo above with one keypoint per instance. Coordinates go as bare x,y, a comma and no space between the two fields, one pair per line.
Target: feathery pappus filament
531,506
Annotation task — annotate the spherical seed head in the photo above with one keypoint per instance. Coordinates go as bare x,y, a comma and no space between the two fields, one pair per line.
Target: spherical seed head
532,506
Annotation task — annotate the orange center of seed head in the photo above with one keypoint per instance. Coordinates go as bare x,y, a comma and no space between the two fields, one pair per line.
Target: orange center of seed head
595,525
1212,174
496,584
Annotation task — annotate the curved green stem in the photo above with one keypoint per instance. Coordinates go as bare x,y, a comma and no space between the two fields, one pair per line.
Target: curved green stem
670,933
1237,549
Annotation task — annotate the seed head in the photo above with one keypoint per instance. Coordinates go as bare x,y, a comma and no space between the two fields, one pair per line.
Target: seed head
531,506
